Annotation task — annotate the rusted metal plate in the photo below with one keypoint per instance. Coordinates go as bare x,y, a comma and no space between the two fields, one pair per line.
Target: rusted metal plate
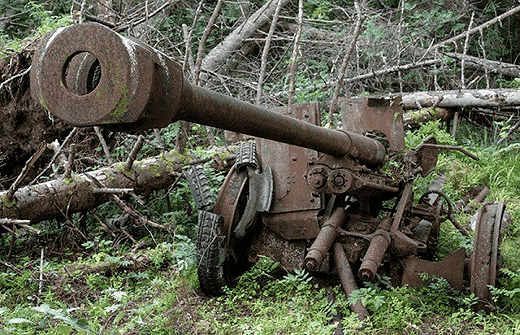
289,253
426,156
293,225
384,114
291,190
451,268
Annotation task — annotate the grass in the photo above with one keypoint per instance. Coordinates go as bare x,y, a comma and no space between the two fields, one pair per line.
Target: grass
106,287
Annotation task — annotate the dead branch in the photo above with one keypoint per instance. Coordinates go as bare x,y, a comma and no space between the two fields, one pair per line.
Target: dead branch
509,133
416,118
102,224
187,40
70,162
56,154
104,145
392,69
21,223
465,52
506,69
19,75
133,154
478,28
112,190
147,17
265,52
203,40
12,267
188,63
134,214
296,48
125,208
344,64
28,165
160,142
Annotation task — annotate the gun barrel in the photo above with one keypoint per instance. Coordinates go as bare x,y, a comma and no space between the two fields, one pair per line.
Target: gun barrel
89,75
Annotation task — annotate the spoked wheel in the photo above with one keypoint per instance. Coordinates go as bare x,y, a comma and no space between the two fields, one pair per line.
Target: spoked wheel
485,256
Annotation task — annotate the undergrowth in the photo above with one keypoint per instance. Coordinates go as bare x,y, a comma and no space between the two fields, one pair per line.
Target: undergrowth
105,285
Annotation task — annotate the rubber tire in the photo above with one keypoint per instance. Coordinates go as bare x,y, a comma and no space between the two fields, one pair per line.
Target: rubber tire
210,253
199,187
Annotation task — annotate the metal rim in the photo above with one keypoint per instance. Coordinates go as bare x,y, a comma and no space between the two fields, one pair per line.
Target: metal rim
484,258
230,205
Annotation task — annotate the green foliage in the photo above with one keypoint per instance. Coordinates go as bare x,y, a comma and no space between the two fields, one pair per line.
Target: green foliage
38,19
317,9
430,128
62,315
507,297
435,22
263,304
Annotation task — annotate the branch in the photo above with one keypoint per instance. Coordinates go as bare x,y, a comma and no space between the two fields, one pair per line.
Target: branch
203,40
339,85
223,51
133,154
104,145
466,44
15,77
139,21
265,52
392,69
471,62
477,29
487,98
28,165
42,201
294,56
56,154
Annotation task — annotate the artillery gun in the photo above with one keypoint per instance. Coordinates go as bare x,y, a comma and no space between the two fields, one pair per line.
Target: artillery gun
306,196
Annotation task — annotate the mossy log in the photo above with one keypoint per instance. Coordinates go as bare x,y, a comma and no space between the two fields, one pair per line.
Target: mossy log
63,197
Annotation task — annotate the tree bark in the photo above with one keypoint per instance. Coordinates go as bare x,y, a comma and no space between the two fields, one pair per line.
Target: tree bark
57,198
485,98
416,118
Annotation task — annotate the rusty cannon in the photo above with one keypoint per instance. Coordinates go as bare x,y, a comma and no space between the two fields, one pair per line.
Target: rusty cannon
326,200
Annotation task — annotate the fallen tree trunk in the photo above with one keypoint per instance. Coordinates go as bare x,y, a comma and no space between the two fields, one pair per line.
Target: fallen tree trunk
59,198
506,69
223,51
471,62
414,118
485,98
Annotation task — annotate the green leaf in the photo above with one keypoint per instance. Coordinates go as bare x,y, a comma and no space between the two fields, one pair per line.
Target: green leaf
19,320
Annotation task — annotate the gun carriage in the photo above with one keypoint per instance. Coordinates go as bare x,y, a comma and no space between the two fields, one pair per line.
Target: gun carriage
307,196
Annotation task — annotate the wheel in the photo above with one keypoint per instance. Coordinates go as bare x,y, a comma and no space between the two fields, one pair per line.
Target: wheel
210,252
221,256
485,255
199,186
433,199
